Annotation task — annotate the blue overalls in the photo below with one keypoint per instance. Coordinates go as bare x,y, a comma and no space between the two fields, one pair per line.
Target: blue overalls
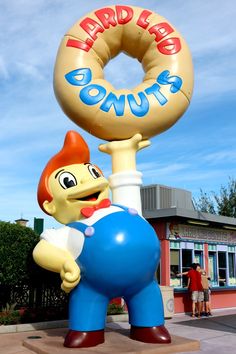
119,259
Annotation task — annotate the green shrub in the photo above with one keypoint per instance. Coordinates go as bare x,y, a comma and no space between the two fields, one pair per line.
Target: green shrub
31,315
114,309
9,315
16,245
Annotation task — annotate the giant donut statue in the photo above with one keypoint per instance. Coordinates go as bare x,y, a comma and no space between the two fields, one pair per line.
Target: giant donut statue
93,103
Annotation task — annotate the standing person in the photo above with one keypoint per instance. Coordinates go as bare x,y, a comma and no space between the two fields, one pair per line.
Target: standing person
206,291
195,286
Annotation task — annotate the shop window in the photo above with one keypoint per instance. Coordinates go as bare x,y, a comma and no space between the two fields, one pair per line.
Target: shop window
213,268
198,246
182,255
175,268
181,258
198,257
198,254
232,272
187,260
222,277
231,249
175,245
211,247
222,266
212,262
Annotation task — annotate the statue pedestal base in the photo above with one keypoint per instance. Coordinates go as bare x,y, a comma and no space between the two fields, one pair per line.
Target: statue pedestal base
116,341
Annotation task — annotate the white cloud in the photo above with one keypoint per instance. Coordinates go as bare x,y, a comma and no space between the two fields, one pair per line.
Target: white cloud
221,156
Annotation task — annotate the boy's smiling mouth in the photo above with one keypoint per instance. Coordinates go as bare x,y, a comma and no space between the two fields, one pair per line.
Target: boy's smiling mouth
92,195
90,198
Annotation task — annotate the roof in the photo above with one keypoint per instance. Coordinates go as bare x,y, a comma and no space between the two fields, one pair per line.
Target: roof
21,220
193,215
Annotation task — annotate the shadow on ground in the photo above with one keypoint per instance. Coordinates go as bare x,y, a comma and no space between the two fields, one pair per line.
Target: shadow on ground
220,323
61,332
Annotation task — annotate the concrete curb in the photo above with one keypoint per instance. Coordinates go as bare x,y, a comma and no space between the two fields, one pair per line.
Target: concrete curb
27,327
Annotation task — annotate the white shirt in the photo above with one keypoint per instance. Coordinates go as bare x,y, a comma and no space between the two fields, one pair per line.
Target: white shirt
71,239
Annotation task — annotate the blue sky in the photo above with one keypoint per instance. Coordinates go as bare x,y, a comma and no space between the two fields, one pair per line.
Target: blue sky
197,152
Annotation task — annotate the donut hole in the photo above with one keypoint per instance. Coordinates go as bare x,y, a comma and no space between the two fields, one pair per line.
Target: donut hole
94,92
124,71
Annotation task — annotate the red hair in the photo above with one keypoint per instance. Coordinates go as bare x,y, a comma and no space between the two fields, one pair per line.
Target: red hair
75,151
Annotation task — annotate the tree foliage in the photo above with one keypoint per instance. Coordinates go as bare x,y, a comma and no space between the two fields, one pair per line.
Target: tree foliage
223,203
16,246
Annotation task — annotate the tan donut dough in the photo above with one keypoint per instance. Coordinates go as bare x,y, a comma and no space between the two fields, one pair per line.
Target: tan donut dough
138,42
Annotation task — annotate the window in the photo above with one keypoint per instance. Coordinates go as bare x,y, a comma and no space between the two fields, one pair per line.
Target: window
175,268
231,263
222,277
198,258
182,255
213,268
222,266
187,260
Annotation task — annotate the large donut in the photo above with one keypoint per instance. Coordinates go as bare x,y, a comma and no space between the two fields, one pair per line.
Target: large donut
93,103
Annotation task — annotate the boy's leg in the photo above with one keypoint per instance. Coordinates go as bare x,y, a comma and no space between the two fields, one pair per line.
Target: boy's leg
200,302
194,301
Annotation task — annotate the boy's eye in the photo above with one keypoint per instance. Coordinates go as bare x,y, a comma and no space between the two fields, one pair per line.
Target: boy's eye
94,171
67,180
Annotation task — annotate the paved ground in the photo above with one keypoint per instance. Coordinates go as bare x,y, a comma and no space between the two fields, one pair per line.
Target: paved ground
215,334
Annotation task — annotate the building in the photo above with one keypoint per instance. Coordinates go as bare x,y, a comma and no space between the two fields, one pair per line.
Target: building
188,236
21,221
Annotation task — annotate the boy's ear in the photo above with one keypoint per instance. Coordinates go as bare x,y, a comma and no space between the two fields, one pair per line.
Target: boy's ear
49,207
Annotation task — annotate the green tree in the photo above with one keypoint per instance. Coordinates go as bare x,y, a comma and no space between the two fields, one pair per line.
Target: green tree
16,245
18,269
226,200
205,203
222,203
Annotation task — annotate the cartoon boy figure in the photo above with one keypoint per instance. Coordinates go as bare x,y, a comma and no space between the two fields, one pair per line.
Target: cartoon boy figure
103,251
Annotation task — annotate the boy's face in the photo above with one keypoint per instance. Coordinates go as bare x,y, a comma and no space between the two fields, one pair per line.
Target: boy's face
74,187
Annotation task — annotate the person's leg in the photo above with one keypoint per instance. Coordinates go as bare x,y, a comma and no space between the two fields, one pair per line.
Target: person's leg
193,307
209,304
87,317
206,301
194,301
200,302
146,315
199,308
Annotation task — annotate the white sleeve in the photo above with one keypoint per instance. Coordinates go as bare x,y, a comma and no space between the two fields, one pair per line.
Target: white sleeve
66,238
58,238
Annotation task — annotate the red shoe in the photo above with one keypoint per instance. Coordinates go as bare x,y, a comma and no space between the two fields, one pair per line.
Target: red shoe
79,339
157,334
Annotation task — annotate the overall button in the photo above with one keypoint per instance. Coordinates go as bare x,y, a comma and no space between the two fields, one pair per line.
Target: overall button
89,231
132,211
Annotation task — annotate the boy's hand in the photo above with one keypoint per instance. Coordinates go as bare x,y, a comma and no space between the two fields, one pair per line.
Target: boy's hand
123,152
135,143
70,275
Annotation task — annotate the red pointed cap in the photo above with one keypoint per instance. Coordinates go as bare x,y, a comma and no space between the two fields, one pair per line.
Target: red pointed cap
75,151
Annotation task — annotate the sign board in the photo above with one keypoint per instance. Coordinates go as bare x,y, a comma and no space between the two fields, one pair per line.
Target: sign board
199,233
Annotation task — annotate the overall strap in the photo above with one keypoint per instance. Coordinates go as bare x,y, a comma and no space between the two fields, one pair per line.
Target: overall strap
121,206
78,226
